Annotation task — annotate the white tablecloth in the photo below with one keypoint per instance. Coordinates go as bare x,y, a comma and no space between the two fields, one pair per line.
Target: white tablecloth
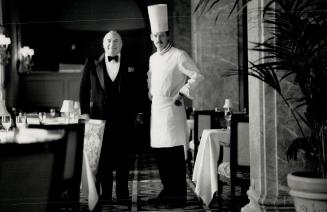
205,168
24,135
94,130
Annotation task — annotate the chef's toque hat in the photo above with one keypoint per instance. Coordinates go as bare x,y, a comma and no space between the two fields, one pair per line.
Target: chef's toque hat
158,18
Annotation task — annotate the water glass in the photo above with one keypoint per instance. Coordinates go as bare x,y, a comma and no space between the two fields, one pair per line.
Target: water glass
42,117
21,121
52,112
6,122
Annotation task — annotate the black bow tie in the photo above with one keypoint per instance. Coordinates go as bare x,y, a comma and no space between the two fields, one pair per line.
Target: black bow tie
110,58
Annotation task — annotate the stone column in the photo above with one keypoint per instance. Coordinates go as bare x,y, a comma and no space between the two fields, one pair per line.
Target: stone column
268,139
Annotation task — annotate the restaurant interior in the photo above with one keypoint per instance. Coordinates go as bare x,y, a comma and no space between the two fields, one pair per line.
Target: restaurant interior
233,164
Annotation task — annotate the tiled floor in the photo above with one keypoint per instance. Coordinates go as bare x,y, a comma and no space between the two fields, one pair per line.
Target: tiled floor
145,183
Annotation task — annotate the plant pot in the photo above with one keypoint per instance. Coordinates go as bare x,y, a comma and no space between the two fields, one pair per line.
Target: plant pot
309,193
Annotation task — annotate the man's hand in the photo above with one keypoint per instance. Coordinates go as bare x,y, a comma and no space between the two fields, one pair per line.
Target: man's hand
178,99
139,119
85,116
150,96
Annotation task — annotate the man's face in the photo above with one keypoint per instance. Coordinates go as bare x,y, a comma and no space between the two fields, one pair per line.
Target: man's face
112,43
160,40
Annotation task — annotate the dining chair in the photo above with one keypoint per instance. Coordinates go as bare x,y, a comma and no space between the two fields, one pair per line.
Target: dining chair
71,178
234,162
30,174
203,119
94,132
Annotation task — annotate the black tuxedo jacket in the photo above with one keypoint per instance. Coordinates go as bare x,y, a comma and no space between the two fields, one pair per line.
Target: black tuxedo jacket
93,97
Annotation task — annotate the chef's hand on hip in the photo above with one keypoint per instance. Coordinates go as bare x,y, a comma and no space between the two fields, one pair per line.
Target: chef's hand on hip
149,96
178,99
139,120
85,116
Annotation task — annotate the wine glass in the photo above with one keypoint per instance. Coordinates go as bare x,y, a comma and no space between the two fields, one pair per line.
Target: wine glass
77,111
52,112
21,121
42,117
6,122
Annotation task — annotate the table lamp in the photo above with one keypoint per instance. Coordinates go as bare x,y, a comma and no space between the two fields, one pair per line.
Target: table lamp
228,104
67,108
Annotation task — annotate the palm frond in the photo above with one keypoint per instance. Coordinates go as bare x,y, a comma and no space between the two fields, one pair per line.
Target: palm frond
202,5
297,145
207,5
265,74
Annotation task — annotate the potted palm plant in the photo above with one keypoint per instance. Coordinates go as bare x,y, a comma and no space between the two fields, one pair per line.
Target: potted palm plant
297,51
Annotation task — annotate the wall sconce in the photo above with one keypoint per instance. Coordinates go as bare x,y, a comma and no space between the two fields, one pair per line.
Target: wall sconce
4,56
25,59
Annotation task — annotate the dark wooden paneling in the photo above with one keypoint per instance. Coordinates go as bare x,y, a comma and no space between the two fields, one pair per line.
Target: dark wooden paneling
40,91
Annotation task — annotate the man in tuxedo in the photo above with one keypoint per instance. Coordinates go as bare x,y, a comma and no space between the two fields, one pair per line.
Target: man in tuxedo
108,91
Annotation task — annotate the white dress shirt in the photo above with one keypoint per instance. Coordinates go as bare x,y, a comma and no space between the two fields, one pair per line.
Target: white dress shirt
112,67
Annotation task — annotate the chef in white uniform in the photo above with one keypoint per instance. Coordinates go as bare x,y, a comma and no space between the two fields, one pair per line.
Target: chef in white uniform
172,74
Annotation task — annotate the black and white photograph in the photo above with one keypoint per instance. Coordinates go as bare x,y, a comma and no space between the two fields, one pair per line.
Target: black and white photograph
163,105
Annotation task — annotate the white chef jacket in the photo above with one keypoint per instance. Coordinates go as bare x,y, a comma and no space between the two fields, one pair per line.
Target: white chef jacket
168,75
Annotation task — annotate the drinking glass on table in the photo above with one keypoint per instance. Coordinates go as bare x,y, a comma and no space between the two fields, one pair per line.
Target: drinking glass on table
21,121
42,117
6,122
52,112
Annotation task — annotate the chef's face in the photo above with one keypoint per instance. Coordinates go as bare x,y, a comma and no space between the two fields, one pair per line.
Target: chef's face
112,43
160,40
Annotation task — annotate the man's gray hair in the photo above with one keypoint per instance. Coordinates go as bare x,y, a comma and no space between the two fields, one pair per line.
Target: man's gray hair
111,32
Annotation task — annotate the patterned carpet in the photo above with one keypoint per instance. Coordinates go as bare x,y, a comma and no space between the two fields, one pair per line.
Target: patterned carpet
144,183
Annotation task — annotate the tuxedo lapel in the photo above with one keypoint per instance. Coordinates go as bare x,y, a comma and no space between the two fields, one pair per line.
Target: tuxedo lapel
122,70
100,68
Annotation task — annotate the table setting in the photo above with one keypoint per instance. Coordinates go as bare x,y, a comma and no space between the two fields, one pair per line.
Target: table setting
16,130
205,167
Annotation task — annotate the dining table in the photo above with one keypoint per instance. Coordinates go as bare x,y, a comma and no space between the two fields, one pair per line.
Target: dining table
205,167
93,135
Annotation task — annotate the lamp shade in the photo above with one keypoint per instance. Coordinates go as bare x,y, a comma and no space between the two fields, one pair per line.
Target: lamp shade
228,104
67,106
3,109
158,18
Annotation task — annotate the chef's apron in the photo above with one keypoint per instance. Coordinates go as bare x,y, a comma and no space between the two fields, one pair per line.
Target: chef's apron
168,125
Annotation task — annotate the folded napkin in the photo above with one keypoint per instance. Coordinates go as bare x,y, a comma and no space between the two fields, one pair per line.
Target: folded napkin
54,121
33,120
